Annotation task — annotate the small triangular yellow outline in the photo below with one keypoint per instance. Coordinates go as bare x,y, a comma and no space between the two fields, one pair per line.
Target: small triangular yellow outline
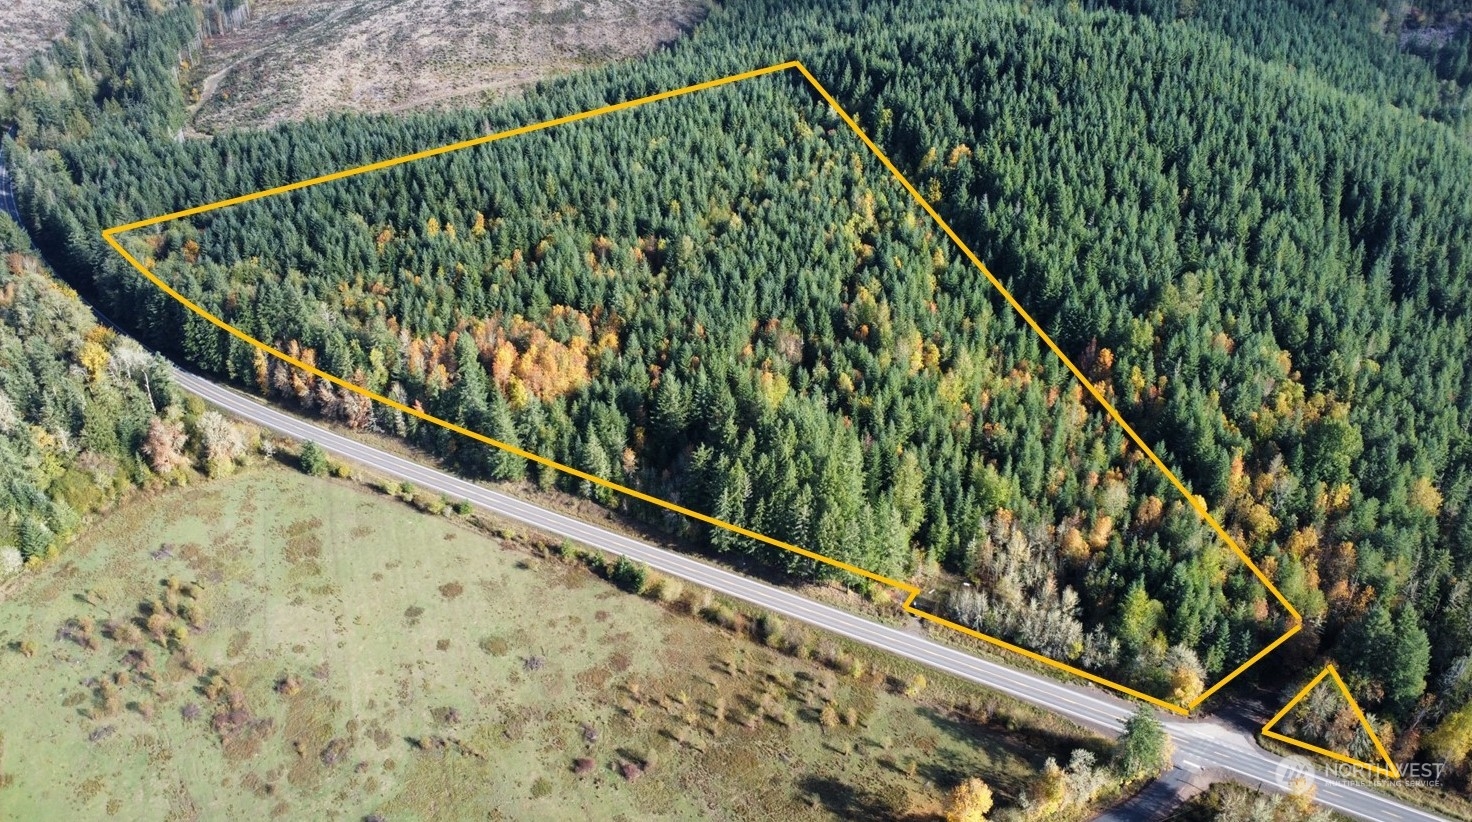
1267,730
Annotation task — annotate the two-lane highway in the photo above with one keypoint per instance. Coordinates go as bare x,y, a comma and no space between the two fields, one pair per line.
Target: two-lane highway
7,193
1198,744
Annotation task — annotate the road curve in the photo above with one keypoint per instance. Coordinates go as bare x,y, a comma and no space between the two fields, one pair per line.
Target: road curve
1199,745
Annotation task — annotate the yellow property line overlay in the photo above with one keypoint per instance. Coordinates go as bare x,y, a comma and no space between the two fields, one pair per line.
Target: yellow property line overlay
1267,730
912,591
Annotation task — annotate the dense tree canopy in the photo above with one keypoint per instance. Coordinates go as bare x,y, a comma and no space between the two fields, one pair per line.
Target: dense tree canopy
76,406
1250,228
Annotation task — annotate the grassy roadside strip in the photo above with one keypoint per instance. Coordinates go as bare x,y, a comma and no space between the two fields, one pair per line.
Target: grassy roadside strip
960,700
880,604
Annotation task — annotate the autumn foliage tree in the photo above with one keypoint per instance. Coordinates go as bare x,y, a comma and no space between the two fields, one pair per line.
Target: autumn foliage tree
733,304
165,446
970,801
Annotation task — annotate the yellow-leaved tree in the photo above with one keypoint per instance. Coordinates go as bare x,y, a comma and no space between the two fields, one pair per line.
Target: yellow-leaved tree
969,801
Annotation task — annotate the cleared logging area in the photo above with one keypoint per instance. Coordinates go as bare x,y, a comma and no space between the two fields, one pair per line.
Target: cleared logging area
294,59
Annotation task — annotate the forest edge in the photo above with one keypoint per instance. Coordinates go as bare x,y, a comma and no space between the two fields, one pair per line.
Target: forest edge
911,591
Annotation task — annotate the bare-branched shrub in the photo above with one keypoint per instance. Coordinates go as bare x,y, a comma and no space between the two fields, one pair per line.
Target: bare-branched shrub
11,561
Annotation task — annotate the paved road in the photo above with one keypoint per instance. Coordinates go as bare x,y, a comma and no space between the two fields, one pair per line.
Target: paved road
1160,800
1200,745
7,195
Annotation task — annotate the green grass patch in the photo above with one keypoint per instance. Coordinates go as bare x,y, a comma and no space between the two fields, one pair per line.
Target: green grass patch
299,645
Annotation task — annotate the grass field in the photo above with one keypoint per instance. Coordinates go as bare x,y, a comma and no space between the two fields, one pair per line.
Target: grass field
304,647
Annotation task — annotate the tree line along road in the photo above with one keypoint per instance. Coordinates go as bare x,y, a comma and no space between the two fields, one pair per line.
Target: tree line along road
1199,745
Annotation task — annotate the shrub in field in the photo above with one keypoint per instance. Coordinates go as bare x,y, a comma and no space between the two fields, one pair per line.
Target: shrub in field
850,665
158,626
335,751
722,616
128,634
429,503
313,459
670,590
630,576
769,630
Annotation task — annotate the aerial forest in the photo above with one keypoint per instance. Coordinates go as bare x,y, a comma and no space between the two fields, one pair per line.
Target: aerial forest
86,415
1251,230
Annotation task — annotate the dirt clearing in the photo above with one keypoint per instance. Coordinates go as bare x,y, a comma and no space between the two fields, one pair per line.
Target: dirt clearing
26,26
297,59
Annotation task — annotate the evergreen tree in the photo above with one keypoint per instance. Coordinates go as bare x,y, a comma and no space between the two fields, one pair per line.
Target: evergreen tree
1270,282
313,459
1145,748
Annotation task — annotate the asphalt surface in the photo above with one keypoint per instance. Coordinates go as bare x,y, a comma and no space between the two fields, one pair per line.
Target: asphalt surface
1203,748
1160,800
7,195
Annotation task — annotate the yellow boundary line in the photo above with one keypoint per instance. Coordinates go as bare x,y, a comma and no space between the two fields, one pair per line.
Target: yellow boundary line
111,234
1267,730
